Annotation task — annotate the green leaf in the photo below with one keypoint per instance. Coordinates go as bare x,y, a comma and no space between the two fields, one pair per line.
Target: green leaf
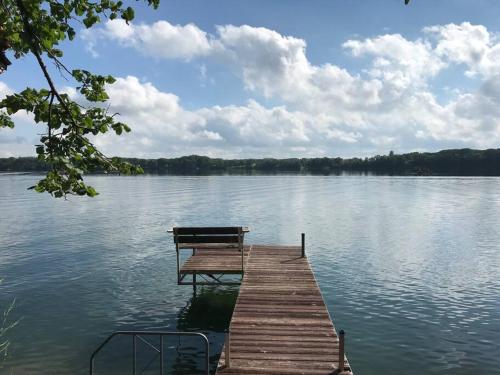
56,52
128,14
91,192
6,121
71,33
66,147
88,122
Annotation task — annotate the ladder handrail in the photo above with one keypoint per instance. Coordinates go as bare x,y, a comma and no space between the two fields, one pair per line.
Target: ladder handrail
134,334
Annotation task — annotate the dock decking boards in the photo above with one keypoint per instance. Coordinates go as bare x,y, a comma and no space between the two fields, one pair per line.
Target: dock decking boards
280,324
206,261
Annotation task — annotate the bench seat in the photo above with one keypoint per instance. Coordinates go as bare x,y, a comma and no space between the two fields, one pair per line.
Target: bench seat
215,251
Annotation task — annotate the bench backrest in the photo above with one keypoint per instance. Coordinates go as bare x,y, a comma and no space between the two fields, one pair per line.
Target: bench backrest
208,235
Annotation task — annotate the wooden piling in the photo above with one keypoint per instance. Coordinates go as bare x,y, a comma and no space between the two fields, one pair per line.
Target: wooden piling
303,241
341,350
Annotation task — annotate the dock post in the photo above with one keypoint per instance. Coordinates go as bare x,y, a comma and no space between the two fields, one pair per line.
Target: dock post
227,347
177,256
161,355
134,354
242,249
303,245
341,350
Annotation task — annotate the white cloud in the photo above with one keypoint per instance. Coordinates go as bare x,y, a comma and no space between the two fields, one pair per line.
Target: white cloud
471,45
161,123
4,90
397,61
268,61
276,66
162,126
323,109
160,39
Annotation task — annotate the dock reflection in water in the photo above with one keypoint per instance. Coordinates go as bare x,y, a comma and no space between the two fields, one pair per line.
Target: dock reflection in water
208,311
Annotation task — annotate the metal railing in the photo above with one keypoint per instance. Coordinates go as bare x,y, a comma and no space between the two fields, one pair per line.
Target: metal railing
138,335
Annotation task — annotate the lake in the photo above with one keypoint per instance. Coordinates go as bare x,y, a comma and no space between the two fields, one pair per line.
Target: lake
408,266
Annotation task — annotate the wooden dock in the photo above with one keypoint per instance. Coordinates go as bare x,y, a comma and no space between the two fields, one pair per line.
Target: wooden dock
280,324
216,253
214,261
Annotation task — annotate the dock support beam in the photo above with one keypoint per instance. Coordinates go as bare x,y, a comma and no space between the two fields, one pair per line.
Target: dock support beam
341,350
227,347
303,235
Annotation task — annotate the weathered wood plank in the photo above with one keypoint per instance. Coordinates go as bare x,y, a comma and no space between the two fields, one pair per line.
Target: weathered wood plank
214,261
207,230
280,324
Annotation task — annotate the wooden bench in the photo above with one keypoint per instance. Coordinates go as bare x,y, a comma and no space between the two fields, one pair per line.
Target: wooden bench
213,252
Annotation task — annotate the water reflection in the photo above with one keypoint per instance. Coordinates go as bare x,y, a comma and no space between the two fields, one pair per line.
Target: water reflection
408,266
209,309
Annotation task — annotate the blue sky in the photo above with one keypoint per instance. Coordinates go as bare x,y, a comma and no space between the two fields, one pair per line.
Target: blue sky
288,78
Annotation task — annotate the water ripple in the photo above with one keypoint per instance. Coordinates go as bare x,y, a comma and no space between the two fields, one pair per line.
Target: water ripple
408,266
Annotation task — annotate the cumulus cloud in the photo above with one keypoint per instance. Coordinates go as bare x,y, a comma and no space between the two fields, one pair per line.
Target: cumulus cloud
267,60
161,123
400,63
160,39
4,90
323,109
471,45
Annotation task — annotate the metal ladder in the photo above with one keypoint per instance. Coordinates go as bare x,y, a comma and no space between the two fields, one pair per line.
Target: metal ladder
138,335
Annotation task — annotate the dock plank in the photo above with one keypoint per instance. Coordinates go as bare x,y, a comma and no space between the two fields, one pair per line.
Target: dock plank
214,261
280,324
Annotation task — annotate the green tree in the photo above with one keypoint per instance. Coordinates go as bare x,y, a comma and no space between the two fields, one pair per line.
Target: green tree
37,27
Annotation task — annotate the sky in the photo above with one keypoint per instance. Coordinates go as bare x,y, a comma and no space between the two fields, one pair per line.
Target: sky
286,78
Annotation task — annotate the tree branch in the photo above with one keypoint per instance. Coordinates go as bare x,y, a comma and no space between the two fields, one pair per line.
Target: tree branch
34,49
31,35
49,124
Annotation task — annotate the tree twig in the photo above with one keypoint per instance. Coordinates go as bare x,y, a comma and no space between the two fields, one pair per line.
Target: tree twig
49,124
39,59
31,35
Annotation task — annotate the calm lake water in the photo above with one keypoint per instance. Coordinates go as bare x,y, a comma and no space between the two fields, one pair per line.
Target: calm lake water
408,266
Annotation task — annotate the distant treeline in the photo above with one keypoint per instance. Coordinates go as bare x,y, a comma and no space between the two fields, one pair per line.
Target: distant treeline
462,162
